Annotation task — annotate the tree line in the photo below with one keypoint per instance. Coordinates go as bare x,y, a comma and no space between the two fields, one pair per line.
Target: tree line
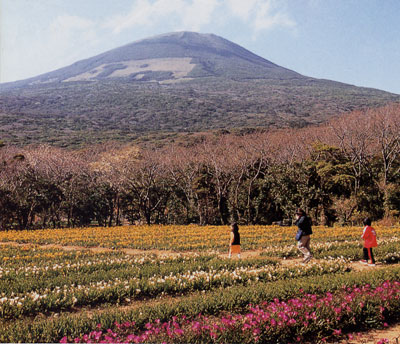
338,172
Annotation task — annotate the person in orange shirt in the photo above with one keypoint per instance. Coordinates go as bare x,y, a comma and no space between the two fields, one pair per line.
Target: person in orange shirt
234,245
369,236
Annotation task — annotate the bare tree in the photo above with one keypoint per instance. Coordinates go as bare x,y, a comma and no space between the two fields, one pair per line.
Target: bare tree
145,186
355,138
110,166
183,166
385,125
218,158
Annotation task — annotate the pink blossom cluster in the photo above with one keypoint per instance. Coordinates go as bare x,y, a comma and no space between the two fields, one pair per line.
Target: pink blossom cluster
307,316
383,341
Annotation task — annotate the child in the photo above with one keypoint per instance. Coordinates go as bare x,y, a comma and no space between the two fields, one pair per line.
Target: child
234,246
369,236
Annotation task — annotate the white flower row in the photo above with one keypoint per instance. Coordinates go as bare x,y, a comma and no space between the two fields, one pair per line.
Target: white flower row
68,296
80,264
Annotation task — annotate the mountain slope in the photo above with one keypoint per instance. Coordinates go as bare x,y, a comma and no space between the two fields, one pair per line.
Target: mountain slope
175,56
168,84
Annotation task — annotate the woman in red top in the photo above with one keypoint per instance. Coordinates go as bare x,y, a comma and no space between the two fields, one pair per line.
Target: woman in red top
369,236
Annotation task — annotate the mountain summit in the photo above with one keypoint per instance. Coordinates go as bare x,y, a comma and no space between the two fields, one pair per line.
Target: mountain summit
169,85
171,57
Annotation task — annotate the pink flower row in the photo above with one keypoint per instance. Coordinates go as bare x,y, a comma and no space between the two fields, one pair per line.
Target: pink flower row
308,316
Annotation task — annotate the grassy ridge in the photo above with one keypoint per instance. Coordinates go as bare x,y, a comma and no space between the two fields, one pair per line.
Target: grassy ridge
82,113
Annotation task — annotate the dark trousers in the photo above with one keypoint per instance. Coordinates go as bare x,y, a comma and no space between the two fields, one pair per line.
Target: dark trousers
368,255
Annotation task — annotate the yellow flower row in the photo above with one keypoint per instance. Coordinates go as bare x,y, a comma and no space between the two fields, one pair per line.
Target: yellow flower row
174,237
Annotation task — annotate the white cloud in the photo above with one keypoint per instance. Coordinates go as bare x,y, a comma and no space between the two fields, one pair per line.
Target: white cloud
314,3
67,23
261,14
242,8
191,15
69,37
62,41
198,14
140,14
269,16
67,30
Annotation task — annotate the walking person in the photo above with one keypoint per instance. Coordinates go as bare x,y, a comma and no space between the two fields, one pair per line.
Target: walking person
303,235
234,245
369,236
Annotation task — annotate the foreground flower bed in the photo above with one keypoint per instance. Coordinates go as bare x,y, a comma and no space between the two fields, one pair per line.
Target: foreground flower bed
213,303
61,296
47,293
309,317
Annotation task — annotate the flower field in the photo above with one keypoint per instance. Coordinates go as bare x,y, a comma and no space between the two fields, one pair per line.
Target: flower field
277,321
179,286
184,238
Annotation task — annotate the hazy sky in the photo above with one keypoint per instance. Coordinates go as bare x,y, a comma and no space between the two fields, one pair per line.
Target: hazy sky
353,41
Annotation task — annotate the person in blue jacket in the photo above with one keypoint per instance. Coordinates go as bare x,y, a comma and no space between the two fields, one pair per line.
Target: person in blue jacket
303,235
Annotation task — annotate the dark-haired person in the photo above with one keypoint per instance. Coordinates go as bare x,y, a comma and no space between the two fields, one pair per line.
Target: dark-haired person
234,245
303,235
369,236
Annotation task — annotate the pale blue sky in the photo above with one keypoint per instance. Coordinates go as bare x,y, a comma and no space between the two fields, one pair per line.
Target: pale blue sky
353,41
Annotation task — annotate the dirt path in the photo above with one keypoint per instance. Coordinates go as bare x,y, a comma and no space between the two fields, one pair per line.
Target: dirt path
130,251
392,334
356,266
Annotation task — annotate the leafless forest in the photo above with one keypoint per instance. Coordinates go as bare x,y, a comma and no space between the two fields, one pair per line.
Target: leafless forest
339,172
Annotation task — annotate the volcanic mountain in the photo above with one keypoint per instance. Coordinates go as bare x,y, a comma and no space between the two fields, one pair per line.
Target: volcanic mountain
173,83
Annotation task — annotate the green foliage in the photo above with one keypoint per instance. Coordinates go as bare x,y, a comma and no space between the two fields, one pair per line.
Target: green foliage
334,169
